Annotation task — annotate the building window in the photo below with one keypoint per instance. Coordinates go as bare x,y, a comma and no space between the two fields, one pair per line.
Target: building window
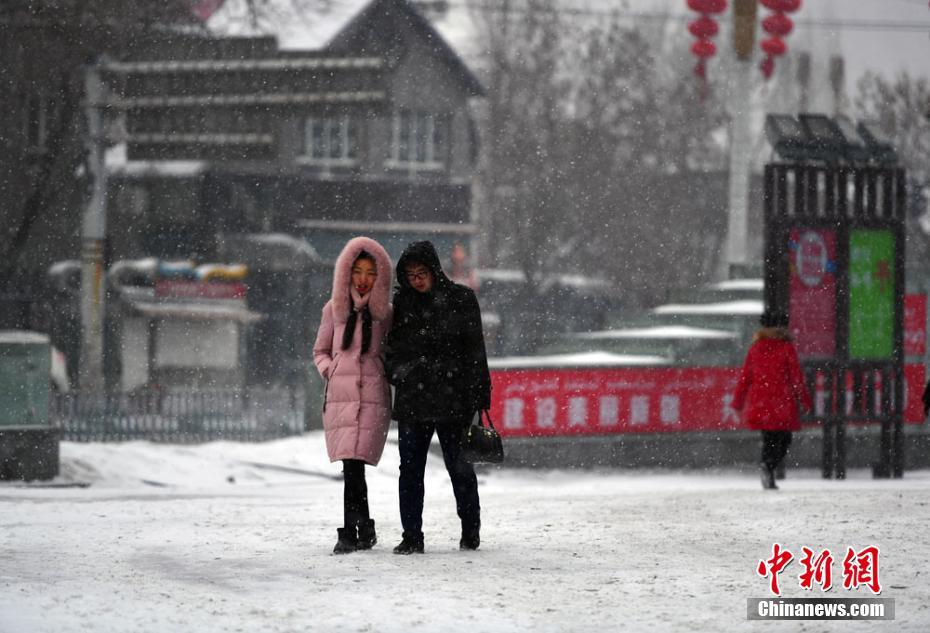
418,140
330,140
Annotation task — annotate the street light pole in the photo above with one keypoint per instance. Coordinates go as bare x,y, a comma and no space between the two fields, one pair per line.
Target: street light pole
93,231
744,27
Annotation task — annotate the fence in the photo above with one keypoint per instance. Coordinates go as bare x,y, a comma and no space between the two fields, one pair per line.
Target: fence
180,416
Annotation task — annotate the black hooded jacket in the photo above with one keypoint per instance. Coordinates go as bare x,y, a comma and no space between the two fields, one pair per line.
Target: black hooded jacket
435,355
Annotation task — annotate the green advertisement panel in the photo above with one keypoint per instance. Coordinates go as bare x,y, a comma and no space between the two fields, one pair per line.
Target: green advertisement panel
871,294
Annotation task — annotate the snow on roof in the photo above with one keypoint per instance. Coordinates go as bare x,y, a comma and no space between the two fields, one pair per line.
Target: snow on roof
312,26
743,307
175,168
582,281
659,332
489,318
457,27
584,359
64,266
144,265
740,284
118,163
308,26
22,337
567,280
196,311
500,274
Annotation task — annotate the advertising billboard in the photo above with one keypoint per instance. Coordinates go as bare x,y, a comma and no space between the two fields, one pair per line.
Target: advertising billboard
812,287
871,294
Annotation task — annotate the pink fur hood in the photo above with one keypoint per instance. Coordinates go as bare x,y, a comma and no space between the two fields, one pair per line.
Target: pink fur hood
379,302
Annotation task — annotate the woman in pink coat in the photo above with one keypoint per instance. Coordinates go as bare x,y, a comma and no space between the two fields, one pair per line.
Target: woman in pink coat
357,400
771,386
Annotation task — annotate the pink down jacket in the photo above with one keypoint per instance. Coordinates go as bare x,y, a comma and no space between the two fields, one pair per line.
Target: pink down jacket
357,401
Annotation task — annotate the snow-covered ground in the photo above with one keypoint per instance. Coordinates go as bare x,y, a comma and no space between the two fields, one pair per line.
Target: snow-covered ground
238,537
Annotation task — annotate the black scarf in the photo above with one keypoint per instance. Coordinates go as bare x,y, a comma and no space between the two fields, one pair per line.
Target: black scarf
349,332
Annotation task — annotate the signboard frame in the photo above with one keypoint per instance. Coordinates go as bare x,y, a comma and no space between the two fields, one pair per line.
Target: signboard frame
843,199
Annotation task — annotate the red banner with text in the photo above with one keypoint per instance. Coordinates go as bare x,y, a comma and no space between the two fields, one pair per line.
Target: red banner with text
596,401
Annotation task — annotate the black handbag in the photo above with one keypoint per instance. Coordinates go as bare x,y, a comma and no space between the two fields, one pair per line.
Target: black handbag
481,444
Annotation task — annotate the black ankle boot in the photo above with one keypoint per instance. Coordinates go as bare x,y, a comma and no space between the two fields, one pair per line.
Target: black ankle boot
470,540
366,534
348,541
411,544
768,477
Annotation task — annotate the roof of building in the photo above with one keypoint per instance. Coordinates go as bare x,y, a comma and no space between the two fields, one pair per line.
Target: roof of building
657,332
580,359
22,337
324,26
743,307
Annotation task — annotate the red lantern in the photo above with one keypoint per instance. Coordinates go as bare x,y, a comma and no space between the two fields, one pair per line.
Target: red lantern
707,6
782,6
704,49
777,24
703,28
774,46
700,70
767,67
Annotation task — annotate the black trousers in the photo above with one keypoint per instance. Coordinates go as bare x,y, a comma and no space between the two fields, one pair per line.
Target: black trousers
355,492
414,439
774,447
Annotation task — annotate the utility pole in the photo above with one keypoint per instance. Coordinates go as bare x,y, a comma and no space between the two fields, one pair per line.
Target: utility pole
744,33
837,81
90,374
804,80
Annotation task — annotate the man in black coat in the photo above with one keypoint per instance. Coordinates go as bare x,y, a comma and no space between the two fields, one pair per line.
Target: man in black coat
436,360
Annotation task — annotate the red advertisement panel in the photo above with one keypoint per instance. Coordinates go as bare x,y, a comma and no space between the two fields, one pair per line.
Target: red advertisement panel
565,402
915,325
812,303
539,402
914,377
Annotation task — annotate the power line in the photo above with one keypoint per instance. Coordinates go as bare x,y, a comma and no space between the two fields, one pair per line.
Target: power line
835,24
866,25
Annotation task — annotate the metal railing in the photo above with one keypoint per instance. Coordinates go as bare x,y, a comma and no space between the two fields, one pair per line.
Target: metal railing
178,415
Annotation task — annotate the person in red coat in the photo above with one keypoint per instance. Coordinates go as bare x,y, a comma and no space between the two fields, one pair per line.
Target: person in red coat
769,388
